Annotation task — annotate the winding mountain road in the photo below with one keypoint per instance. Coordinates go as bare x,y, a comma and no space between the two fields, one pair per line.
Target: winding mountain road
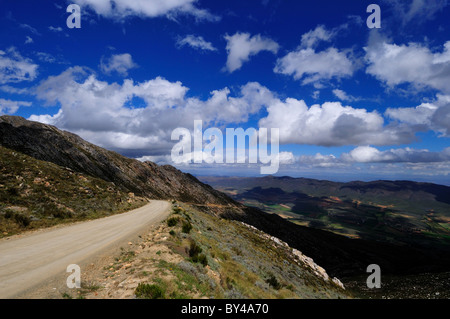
30,260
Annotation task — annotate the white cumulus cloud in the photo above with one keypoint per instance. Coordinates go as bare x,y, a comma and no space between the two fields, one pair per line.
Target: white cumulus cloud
241,46
120,9
119,63
410,63
11,107
310,66
15,68
105,114
431,115
331,124
196,42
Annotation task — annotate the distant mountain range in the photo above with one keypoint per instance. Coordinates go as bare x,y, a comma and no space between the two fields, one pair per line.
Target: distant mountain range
43,149
401,212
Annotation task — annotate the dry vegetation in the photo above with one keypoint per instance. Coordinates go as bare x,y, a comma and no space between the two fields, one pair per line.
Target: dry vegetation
36,194
196,255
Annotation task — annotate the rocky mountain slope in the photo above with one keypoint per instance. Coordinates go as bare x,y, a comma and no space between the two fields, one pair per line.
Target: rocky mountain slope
47,143
213,258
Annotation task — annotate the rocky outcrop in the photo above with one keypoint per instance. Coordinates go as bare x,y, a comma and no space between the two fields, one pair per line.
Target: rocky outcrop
297,256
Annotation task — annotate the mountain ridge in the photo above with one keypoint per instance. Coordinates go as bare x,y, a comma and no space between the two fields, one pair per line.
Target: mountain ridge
48,143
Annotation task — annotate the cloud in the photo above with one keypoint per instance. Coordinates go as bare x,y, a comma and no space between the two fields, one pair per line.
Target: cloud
55,29
315,95
105,113
29,28
196,42
332,124
11,107
14,90
368,154
320,33
120,9
417,11
15,68
139,117
45,57
410,63
313,37
28,40
343,96
119,63
311,66
371,155
434,116
241,46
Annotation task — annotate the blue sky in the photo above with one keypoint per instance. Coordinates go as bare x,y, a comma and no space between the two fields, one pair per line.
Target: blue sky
350,102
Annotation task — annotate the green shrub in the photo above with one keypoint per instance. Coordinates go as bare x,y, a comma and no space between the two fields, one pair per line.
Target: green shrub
146,291
22,220
194,249
273,282
186,228
200,259
195,254
172,221
172,232
176,210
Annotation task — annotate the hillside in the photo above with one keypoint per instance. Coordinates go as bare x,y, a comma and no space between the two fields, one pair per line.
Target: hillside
35,194
44,145
213,258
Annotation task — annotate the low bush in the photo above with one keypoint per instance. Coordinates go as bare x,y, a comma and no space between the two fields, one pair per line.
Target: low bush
22,220
146,291
200,259
195,254
273,282
173,221
186,228
194,249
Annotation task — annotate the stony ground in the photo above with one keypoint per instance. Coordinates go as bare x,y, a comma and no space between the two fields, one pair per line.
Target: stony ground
217,258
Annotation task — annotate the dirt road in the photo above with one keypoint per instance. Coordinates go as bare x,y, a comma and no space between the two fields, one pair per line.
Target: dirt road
33,259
